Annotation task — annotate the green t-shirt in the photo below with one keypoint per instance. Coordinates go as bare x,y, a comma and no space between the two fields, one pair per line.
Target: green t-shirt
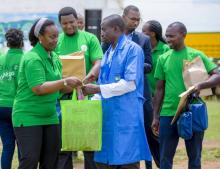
36,68
169,68
9,65
69,44
160,49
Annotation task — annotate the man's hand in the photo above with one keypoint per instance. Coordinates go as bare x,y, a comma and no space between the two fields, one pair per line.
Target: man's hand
213,81
155,126
93,74
90,89
197,89
91,77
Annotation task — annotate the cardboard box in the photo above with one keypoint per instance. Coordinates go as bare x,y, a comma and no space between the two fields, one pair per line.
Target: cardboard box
74,65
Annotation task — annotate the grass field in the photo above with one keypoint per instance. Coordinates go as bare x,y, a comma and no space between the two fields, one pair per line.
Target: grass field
213,132
211,148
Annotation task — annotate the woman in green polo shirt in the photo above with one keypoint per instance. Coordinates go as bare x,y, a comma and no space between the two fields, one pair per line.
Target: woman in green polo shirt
34,112
9,64
153,29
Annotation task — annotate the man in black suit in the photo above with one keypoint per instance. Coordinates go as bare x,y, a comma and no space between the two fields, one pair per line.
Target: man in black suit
131,17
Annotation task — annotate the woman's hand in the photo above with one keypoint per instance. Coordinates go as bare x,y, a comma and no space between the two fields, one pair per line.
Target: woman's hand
72,82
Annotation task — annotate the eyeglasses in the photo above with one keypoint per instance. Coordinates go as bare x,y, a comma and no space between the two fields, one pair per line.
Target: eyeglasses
134,19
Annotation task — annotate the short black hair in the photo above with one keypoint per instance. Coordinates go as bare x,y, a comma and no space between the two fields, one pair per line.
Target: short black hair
32,38
130,7
180,25
14,38
67,11
115,20
156,27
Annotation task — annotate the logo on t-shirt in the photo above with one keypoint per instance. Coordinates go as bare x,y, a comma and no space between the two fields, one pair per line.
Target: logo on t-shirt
84,48
8,73
7,76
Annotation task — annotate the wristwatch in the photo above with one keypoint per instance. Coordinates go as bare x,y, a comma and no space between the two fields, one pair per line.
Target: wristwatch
65,82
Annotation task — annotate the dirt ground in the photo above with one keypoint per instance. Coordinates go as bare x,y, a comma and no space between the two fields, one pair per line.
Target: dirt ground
205,165
183,164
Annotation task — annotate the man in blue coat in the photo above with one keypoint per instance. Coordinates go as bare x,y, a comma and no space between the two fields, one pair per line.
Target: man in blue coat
131,18
121,83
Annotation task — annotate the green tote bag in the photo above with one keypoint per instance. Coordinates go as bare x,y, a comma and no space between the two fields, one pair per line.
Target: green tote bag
81,124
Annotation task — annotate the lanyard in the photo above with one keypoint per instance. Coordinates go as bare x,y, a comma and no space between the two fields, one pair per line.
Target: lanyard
108,62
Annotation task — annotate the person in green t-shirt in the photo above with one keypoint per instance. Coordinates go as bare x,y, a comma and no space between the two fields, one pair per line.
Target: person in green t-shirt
153,29
169,85
34,116
74,40
9,64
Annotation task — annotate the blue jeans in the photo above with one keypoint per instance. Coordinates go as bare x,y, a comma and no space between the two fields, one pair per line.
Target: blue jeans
7,137
168,143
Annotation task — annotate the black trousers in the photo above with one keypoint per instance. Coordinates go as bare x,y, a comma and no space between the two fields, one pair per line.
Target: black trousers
153,141
65,160
154,146
89,162
126,166
38,145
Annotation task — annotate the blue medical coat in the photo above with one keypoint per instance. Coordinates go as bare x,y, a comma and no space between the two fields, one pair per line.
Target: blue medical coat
123,140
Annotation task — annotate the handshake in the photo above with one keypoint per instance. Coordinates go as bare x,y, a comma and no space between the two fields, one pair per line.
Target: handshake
85,85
